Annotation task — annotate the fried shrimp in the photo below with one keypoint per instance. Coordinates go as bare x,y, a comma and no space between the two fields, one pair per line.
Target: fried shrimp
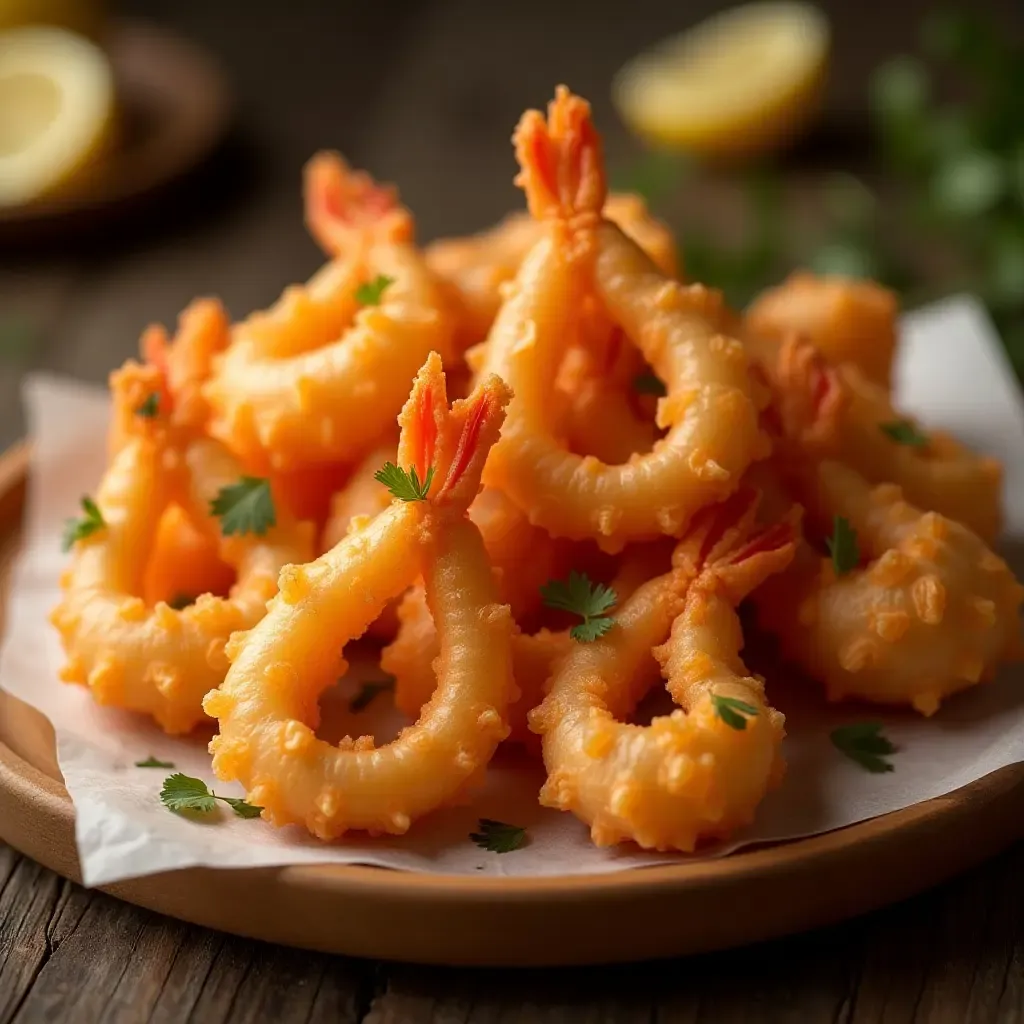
267,705
846,320
320,377
158,660
927,610
710,412
838,414
477,268
700,772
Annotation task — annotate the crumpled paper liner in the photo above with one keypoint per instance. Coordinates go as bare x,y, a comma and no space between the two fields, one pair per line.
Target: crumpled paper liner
951,373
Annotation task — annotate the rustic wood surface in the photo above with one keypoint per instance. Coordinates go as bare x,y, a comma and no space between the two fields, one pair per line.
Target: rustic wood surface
425,94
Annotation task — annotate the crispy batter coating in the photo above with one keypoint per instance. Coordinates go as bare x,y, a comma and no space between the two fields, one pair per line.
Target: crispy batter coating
267,706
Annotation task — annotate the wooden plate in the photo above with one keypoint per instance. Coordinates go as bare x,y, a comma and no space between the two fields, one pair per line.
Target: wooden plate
632,915
173,108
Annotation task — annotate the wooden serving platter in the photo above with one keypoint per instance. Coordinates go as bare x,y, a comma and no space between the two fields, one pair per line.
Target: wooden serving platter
653,912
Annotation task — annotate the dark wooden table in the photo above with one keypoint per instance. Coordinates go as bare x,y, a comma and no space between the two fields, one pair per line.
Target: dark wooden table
425,94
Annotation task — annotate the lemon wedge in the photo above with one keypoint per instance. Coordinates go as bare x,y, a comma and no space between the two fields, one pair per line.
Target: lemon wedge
741,83
56,111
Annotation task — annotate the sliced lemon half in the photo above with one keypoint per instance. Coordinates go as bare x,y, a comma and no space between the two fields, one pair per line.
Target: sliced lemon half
742,82
56,111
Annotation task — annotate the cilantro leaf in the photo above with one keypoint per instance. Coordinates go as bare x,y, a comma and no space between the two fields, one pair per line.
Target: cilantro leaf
370,292
733,711
150,407
497,836
904,432
180,601
368,691
842,546
241,807
589,601
405,486
245,507
648,384
183,793
864,743
88,524
152,762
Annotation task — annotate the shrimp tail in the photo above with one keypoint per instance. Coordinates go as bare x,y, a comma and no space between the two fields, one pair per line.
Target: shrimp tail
453,443
727,548
562,167
347,210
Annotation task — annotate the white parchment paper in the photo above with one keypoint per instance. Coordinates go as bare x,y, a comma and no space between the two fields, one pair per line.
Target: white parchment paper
951,373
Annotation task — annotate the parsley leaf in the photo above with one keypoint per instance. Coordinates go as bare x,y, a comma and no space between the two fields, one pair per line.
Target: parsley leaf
842,546
498,837
903,432
152,762
180,601
150,407
245,507
588,600
77,529
370,292
365,697
733,711
402,485
183,793
648,384
864,743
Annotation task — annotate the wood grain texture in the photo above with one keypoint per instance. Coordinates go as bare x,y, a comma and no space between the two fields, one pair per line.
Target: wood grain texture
954,956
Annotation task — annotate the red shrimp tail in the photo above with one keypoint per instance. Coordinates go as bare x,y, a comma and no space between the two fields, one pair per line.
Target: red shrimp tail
473,428
717,529
422,420
346,210
562,166
809,394
769,550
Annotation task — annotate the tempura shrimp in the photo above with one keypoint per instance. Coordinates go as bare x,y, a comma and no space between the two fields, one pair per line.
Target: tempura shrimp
847,320
159,660
710,411
477,268
690,775
319,378
267,705
846,417
927,610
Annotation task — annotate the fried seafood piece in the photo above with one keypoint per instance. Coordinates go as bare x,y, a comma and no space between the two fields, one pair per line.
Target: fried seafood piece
410,657
158,660
837,413
927,608
845,319
362,496
477,268
710,410
321,375
267,706
700,772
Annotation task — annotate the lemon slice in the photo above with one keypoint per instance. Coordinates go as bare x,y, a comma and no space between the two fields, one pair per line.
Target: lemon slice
56,111
740,83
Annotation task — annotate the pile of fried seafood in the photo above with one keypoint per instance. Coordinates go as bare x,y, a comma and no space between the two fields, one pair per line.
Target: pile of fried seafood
595,463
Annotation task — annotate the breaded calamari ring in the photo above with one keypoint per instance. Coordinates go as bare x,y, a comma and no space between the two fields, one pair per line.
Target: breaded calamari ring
710,410
930,609
476,268
319,378
157,660
267,706
687,776
851,420
846,320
